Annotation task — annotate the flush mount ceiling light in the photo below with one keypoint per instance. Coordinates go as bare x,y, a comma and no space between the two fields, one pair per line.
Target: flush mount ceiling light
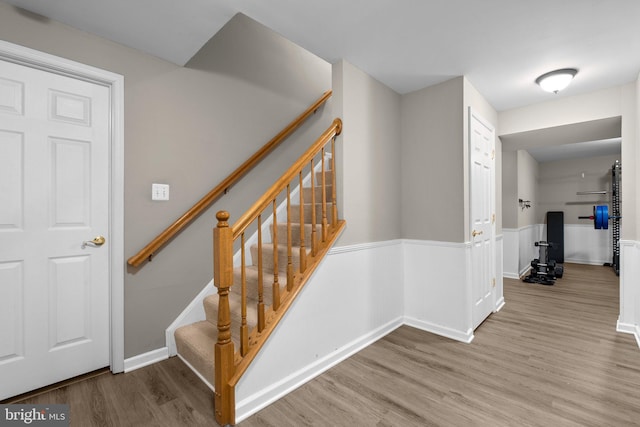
555,81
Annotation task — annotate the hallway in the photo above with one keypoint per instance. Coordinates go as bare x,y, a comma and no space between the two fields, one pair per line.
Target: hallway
550,357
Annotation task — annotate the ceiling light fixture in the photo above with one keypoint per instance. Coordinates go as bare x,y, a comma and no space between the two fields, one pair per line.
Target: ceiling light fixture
555,81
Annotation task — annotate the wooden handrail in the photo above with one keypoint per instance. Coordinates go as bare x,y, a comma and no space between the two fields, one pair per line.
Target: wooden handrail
148,251
245,220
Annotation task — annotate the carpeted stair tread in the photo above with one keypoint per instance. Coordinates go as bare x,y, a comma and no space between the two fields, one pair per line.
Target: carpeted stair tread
251,277
211,311
195,343
295,233
283,260
295,213
317,193
328,177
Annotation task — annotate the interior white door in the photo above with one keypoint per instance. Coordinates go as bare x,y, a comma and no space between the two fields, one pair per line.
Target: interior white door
54,195
482,191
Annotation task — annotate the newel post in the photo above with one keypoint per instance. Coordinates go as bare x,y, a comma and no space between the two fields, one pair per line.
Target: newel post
224,351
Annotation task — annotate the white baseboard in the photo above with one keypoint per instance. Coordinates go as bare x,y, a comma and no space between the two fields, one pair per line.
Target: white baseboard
629,329
465,337
586,261
499,305
510,276
145,359
263,398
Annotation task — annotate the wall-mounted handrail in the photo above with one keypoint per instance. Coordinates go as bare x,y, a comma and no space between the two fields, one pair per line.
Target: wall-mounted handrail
149,250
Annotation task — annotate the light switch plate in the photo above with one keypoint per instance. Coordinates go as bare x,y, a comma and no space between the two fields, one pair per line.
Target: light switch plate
159,191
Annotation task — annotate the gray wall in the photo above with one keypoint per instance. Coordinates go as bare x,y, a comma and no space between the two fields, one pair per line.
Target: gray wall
368,156
432,176
189,127
527,184
560,181
408,192
510,189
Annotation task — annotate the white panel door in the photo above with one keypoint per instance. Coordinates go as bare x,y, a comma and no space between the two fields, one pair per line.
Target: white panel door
482,192
54,195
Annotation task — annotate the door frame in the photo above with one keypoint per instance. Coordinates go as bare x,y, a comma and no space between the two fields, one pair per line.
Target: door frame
115,83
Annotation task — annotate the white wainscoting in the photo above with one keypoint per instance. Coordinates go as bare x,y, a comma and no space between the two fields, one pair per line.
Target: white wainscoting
583,244
499,273
519,249
629,319
353,299
510,250
437,288
527,250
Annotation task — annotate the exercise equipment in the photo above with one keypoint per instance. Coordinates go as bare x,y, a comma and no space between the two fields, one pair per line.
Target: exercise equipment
616,178
601,216
546,271
555,234
548,266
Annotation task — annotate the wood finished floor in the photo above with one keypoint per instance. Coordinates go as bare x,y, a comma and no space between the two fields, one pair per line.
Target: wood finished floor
550,357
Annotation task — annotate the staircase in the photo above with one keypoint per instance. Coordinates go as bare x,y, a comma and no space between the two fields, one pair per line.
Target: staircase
195,342
254,294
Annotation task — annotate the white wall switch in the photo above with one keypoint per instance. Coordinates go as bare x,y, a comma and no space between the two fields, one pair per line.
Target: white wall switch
159,191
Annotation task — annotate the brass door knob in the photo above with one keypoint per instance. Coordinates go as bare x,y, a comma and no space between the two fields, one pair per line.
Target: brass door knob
97,241
476,233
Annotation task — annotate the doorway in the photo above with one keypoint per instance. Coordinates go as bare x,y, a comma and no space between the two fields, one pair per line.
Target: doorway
61,256
482,214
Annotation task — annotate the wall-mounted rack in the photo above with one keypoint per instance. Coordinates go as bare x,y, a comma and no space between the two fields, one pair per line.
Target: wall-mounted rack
600,212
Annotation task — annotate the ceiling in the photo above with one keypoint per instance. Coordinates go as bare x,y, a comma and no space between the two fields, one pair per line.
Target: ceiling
603,147
576,140
500,45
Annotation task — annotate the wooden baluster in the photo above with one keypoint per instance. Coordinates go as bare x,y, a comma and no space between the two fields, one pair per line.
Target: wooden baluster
260,279
324,200
244,329
303,249
223,351
289,242
334,203
276,285
314,237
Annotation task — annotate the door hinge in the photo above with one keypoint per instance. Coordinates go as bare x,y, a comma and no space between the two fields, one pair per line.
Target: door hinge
493,218
493,282
493,154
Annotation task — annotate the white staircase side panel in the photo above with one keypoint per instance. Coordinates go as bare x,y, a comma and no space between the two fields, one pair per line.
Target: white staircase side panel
320,330
194,312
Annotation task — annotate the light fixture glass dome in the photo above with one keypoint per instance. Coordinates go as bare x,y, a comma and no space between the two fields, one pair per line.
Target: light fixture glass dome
555,81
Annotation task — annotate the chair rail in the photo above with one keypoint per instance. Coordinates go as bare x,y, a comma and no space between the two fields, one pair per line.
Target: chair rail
149,250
